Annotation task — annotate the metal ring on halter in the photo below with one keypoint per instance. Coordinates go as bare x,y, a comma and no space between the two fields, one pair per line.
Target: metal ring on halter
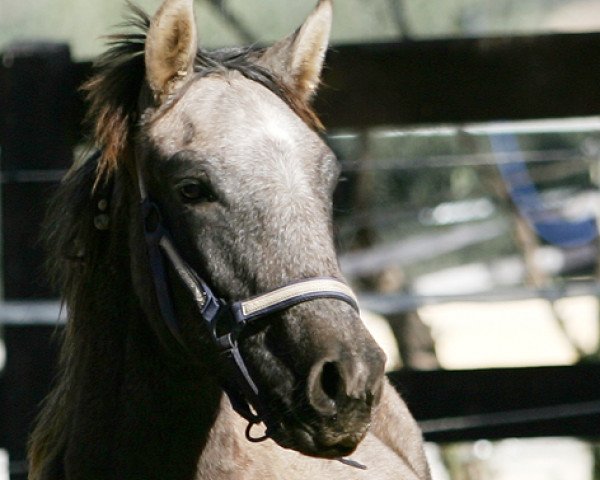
252,439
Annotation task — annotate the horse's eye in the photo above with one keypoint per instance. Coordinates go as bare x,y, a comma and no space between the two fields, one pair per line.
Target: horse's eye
195,191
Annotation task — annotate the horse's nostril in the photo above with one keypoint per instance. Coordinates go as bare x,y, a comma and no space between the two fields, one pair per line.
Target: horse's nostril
331,380
346,387
324,387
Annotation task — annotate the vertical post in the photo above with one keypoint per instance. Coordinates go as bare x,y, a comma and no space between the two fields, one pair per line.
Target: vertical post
23,384
36,136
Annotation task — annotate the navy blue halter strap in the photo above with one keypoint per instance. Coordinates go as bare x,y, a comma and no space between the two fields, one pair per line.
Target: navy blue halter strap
221,316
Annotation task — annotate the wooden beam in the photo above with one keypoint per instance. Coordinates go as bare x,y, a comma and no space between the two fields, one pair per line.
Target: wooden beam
464,405
37,133
462,80
31,357
455,80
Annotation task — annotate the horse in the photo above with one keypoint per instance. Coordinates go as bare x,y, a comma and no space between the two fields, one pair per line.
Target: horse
210,333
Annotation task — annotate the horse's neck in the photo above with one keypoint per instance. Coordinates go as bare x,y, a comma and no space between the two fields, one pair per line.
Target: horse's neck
139,414
229,456
166,413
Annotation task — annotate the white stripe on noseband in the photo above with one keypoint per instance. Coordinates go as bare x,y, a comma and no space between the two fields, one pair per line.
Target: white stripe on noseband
262,302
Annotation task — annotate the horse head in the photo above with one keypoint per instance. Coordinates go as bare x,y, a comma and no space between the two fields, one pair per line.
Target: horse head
228,149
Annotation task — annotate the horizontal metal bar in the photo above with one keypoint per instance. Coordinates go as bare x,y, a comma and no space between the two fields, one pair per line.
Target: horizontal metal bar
53,313
465,160
32,176
420,247
18,467
386,304
510,417
32,313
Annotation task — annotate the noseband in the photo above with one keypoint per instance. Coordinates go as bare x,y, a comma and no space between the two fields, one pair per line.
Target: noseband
225,320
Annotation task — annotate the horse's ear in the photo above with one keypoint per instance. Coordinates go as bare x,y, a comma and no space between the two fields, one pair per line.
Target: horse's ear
171,46
298,59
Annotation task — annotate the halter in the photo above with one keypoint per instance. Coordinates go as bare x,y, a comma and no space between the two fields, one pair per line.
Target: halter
221,316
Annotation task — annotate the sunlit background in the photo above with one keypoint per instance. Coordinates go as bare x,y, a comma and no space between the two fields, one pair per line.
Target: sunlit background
446,230
234,22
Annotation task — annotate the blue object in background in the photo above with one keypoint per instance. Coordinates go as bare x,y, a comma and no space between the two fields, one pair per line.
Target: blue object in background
553,229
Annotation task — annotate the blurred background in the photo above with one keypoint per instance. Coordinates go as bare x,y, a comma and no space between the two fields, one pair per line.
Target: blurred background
82,23
466,216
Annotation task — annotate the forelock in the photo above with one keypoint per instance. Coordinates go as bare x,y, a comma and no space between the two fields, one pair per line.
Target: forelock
114,89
